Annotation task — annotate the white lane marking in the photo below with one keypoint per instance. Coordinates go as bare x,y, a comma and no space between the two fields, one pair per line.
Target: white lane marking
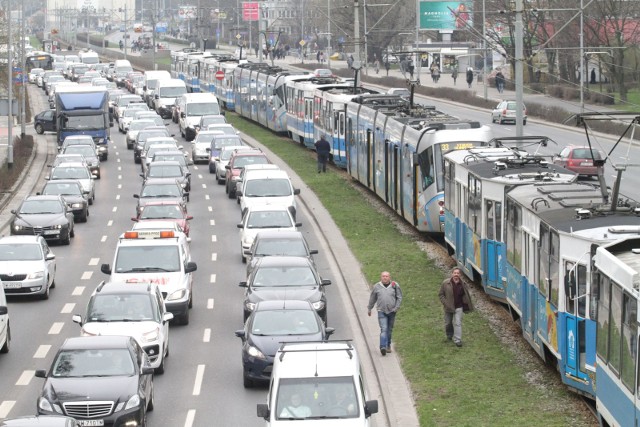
204,185
25,378
115,209
119,176
191,415
5,408
117,197
210,303
104,239
206,197
86,275
94,261
56,328
210,208
213,278
110,223
118,160
42,351
206,337
77,291
117,153
200,175
214,256
212,222
119,186
196,167
214,238
119,167
68,308
198,383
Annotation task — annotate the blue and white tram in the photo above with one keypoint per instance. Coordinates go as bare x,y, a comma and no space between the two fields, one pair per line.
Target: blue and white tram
208,68
195,63
397,152
476,184
224,88
179,62
301,123
245,88
614,294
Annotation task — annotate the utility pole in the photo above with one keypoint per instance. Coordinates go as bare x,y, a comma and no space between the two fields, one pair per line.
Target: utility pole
484,50
329,33
10,85
519,78
23,64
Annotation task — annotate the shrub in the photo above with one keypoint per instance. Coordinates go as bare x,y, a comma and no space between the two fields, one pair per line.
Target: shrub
22,150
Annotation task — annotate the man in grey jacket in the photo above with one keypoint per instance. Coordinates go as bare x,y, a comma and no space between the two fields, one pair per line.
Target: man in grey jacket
386,295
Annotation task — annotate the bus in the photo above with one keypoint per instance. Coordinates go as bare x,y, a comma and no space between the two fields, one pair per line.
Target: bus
37,59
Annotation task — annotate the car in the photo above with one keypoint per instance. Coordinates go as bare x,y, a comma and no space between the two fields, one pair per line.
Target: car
171,155
143,135
136,126
277,243
34,73
45,121
225,128
79,172
582,160
159,190
123,101
223,160
323,72
157,145
166,211
134,309
210,119
75,197
5,326
248,169
201,144
216,145
27,266
43,215
270,324
128,114
77,140
400,91
90,157
238,160
285,277
268,188
505,111
104,380
68,158
40,421
263,218
391,59
159,225
169,169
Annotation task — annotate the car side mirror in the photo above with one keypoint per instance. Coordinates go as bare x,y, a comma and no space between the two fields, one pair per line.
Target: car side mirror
240,225
325,282
136,196
240,333
243,284
105,268
298,224
3,310
370,407
227,167
190,267
183,114
134,219
313,251
167,316
41,373
329,331
148,370
296,191
263,411
77,319
50,257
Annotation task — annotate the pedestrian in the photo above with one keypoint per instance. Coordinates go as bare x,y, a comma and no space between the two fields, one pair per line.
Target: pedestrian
323,149
376,65
469,76
321,57
433,76
386,295
436,74
403,67
500,81
350,61
456,300
410,67
318,57
593,76
121,44
454,75
387,66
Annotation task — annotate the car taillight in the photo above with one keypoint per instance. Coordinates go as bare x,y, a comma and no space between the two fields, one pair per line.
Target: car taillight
504,112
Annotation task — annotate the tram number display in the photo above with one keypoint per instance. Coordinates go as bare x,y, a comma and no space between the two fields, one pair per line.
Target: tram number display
457,146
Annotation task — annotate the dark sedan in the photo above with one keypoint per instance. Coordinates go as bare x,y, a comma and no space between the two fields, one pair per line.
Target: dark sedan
270,324
160,190
277,243
45,121
71,191
285,277
105,379
169,169
48,216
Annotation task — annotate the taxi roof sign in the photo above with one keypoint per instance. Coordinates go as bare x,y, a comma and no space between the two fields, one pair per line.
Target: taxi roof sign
149,234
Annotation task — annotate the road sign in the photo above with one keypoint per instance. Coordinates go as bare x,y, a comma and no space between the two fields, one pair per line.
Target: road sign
302,43
238,36
219,75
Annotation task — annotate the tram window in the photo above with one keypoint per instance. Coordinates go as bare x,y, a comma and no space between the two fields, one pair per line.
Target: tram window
448,184
629,341
490,221
425,160
544,259
570,286
514,235
615,333
602,291
554,268
582,290
474,204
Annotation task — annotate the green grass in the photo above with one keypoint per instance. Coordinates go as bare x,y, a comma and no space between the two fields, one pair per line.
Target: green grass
478,385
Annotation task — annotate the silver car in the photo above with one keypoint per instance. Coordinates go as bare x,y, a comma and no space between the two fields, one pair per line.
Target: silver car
27,266
78,171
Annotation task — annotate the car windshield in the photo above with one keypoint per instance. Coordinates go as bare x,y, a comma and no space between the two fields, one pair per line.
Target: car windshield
144,135
171,92
202,108
152,150
85,150
145,259
226,142
204,137
212,121
296,398
122,308
69,158
269,219
287,247
161,190
268,188
140,125
227,130
170,158
65,189
284,276
20,252
41,207
93,363
284,322
164,171
161,212
242,161
78,141
70,173
585,153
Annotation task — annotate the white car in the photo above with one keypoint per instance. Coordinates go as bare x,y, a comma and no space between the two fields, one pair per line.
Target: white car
128,114
264,218
27,266
131,309
5,328
267,188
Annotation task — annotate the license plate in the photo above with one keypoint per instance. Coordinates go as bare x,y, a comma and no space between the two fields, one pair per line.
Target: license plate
49,232
586,164
91,422
12,285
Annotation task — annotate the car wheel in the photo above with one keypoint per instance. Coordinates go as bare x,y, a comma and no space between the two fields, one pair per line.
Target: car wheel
83,217
524,122
39,129
160,369
220,181
129,146
53,283
45,294
72,232
191,299
67,240
137,160
232,194
143,417
211,169
7,344
152,400
246,381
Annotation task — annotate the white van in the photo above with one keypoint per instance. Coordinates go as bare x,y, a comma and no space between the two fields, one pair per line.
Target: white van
121,68
5,328
89,57
317,384
267,187
165,95
193,106
151,80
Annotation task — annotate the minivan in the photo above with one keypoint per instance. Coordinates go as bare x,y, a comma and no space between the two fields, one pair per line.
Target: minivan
192,107
268,187
165,96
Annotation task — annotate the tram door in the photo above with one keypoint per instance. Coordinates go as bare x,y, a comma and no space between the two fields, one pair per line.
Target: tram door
308,119
339,144
461,221
370,158
575,334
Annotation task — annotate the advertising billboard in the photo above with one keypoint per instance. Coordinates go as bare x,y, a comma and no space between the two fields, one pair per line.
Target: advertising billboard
250,11
187,12
446,15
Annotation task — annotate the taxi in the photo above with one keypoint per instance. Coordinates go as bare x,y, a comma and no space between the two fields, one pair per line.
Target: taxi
161,257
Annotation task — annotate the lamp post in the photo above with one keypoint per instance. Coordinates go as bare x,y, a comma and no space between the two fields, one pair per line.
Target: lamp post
329,33
204,44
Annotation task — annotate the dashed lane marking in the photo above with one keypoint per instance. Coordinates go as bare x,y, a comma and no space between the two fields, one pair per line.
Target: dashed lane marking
56,328
214,256
204,185
206,337
206,197
77,291
110,223
115,208
119,186
117,197
210,303
42,351
5,408
119,168
94,261
86,275
68,308
214,238
213,278
210,208
198,383
104,239
212,222
25,378
200,175
191,415
119,176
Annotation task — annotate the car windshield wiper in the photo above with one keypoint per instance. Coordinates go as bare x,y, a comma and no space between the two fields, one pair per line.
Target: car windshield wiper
147,269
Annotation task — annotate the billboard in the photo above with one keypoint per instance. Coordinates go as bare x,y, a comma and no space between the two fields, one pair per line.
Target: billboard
250,11
187,12
446,15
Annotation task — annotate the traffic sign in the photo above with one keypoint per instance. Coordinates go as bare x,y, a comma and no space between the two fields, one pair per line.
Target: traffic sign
238,36
219,75
302,43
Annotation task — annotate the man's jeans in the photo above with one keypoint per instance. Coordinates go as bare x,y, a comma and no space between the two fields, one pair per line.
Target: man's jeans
453,325
386,328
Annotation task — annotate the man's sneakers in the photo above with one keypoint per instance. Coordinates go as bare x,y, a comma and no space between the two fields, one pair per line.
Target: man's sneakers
388,349
383,351
459,344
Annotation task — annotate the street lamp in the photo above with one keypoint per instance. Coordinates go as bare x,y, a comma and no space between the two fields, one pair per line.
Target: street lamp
204,44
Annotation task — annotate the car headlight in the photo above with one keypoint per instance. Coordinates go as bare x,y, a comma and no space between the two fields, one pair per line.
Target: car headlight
177,295
318,305
57,226
76,205
36,275
18,227
45,405
254,352
250,305
152,335
133,402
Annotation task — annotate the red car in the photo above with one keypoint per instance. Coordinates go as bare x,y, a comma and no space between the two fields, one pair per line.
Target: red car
239,159
580,159
168,211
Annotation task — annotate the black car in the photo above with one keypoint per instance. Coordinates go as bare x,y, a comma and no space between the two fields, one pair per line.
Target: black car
277,243
270,324
169,169
40,421
106,379
71,191
45,121
159,190
48,216
285,277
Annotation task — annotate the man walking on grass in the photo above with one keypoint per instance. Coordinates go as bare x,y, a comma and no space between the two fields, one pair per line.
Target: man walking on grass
386,295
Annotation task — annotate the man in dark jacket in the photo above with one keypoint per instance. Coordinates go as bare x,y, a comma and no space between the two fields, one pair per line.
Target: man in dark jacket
456,300
323,149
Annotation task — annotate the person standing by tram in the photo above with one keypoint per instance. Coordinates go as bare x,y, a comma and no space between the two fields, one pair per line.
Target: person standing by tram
456,300
323,150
